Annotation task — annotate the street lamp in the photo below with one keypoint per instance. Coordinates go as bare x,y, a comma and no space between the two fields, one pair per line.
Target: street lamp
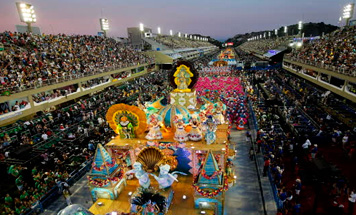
348,12
171,32
104,24
26,13
159,30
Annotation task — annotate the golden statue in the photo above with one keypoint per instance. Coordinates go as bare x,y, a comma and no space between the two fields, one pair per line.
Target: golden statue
183,78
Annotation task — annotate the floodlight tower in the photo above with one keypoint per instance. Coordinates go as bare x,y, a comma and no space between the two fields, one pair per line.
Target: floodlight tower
27,14
159,30
348,12
300,27
104,24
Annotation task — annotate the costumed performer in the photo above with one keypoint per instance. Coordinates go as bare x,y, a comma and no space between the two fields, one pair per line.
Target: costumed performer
195,133
180,135
154,122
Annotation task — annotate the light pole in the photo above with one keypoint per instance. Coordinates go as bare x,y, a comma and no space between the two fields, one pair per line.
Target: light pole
300,27
104,24
159,30
348,12
27,14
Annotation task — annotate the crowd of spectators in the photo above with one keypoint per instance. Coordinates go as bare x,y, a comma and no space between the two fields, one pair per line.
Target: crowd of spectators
261,46
181,42
50,95
290,154
64,135
30,60
18,105
334,51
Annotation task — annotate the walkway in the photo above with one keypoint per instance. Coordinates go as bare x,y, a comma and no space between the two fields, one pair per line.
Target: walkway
245,197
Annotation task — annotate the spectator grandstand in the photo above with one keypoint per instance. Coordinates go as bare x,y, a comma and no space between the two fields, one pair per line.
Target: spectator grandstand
31,61
334,51
263,45
64,140
180,42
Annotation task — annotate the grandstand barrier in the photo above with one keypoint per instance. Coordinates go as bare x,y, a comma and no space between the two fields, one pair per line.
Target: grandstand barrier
302,70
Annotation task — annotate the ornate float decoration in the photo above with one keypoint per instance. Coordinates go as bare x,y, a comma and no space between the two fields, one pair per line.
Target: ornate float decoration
105,177
126,120
183,78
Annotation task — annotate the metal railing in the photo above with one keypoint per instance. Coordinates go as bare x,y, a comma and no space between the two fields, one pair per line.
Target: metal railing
340,69
38,84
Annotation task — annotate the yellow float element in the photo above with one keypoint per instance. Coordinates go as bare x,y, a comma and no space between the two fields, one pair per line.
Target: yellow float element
182,78
136,115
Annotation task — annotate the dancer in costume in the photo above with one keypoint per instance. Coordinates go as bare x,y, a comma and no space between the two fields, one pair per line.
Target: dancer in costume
155,128
180,135
210,128
195,133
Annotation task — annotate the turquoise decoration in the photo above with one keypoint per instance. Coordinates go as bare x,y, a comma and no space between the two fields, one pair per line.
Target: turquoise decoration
170,111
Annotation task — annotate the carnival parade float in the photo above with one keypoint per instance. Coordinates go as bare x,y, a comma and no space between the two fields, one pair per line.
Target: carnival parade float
173,160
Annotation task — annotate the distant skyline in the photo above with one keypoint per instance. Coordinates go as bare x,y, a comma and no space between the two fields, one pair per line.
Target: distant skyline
218,19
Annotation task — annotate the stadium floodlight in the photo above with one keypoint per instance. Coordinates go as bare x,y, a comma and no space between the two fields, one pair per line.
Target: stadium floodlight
159,30
179,34
300,25
348,12
104,24
27,14
142,27
171,32
285,29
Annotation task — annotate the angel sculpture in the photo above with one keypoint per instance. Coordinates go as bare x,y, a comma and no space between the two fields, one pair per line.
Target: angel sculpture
140,174
154,133
166,179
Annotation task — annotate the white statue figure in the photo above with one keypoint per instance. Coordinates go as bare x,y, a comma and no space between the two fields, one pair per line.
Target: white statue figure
140,174
166,179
